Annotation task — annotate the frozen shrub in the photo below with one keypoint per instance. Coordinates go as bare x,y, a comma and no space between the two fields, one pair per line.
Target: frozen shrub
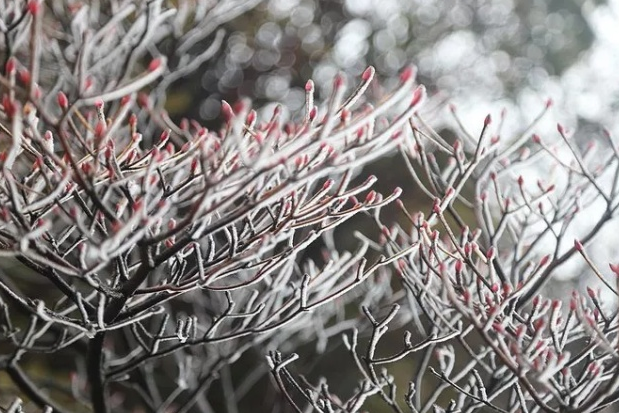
173,253
483,332
151,256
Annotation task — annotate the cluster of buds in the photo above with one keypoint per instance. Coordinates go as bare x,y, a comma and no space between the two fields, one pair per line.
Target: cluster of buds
123,221
478,298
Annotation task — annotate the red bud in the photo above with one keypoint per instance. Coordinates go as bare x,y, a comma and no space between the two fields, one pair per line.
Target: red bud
368,74
458,266
226,111
143,100
251,117
154,64
370,197
9,68
24,76
418,95
408,73
62,100
578,245
33,7
591,293
313,112
488,120
100,129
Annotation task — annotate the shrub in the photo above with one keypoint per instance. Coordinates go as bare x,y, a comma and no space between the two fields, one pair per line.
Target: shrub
188,245
155,255
486,335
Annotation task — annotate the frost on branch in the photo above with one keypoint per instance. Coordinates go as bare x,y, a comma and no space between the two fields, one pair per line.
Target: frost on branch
482,333
157,250
141,246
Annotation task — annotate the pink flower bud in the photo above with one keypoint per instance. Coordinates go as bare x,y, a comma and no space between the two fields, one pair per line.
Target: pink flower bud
100,129
345,115
490,253
578,245
165,135
539,324
328,184
24,76
312,113
591,293
338,82
408,73
9,106
137,205
154,64
33,7
370,197
133,120
9,68
436,206
418,95
86,168
62,100
143,100
194,165
496,326
368,74
459,266
251,117
226,111
88,82
560,129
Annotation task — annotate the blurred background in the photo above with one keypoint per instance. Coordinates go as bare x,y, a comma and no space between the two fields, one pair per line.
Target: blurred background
483,54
